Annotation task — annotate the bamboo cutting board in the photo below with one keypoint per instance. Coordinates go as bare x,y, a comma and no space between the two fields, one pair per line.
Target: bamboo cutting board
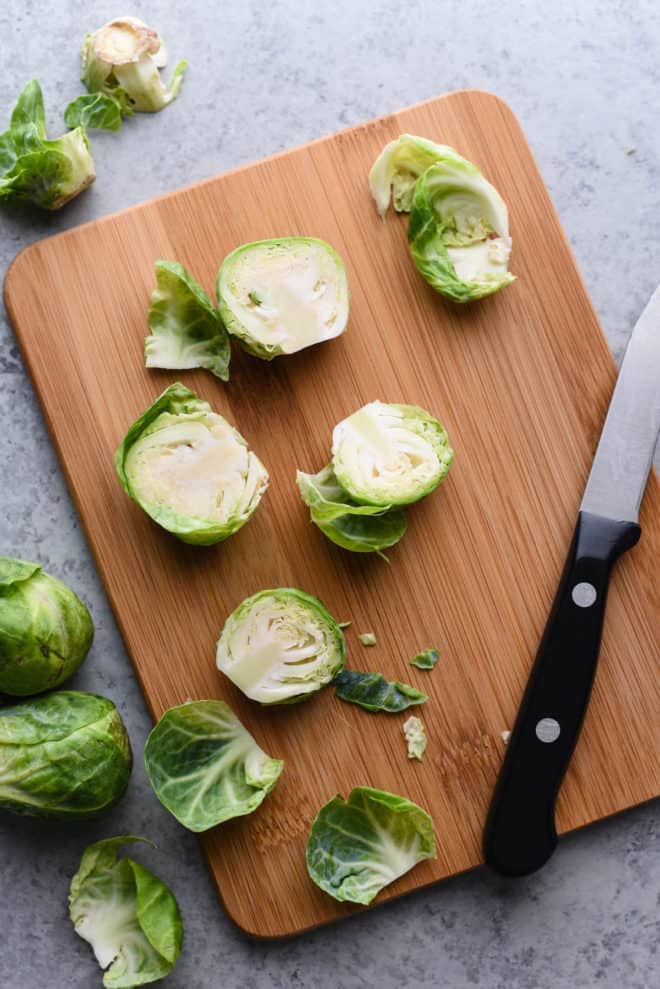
521,381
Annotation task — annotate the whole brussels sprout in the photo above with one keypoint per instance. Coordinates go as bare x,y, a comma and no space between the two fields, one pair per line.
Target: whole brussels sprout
45,629
65,755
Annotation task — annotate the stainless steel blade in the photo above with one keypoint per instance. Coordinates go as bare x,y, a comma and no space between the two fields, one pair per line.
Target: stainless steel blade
625,450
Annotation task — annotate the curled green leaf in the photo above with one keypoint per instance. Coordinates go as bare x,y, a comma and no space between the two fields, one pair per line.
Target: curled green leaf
95,111
374,693
426,660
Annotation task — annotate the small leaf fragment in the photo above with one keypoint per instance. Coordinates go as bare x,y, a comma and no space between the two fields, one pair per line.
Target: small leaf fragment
367,638
415,736
374,693
426,660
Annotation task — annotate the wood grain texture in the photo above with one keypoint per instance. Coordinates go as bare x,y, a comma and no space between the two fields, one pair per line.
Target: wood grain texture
521,381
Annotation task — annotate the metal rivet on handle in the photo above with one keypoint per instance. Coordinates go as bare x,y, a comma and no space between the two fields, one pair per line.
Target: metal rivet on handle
584,594
547,730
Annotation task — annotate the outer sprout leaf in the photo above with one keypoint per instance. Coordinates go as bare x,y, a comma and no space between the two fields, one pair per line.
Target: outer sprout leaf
186,329
280,646
205,767
397,168
189,469
367,638
358,528
127,914
426,660
415,736
374,693
95,111
63,755
358,846
280,296
390,454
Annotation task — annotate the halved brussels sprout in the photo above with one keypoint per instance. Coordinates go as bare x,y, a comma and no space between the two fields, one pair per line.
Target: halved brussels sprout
397,168
459,231
390,454
189,469
280,646
127,914
359,528
360,845
122,59
45,629
280,296
64,755
205,767
186,329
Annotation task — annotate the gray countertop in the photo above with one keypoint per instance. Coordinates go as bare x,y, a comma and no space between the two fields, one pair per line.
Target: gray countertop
264,77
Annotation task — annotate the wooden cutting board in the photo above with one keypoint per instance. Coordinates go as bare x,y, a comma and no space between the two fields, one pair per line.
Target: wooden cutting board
521,381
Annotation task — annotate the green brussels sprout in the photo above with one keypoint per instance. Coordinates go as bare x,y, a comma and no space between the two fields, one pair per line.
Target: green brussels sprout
280,646
397,168
36,170
45,629
360,845
128,915
205,767
458,232
359,528
63,755
388,455
122,59
186,329
280,296
189,469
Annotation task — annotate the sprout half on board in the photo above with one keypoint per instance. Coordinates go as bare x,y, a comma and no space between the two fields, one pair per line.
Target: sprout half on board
36,170
458,232
123,59
280,296
360,845
189,469
128,916
45,629
280,646
389,455
205,767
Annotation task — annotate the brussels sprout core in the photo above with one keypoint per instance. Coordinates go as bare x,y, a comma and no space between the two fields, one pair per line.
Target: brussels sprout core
280,646
125,40
280,296
390,454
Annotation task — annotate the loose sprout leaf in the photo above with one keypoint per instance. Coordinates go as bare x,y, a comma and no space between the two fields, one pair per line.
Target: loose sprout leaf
397,168
128,916
205,767
415,736
122,59
343,625
280,646
426,660
45,629
95,111
374,693
390,454
36,170
367,638
63,755
358,846
186,329
280,296
355,527
458,232
189,469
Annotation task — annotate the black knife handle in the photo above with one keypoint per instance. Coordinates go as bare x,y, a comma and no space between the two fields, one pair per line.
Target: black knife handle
520,834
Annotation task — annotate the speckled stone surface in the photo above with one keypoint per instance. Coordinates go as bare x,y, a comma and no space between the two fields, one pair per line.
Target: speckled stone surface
584,79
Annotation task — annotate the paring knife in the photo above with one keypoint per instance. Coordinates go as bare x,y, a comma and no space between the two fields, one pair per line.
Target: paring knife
520,834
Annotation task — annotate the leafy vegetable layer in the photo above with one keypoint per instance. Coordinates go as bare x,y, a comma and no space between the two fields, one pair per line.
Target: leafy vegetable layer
94,111
34,169
280,296
205,767
45,629
279,646
426,660
373,692
186,329
358,846
128,916
359,528
189,469
397,168
63,755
